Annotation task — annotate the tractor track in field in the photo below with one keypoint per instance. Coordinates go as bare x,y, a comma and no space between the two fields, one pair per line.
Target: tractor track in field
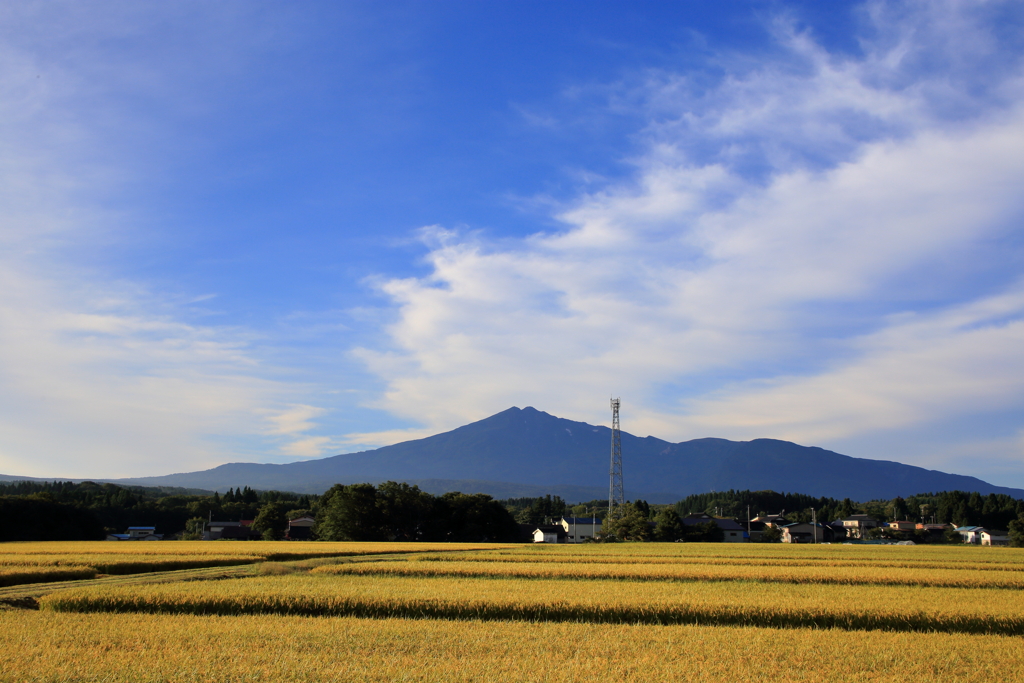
25,596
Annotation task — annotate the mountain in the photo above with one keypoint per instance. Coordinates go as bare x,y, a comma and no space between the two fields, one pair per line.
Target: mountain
527,452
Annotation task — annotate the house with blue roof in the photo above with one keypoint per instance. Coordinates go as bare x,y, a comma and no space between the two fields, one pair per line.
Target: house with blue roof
971,534
137,533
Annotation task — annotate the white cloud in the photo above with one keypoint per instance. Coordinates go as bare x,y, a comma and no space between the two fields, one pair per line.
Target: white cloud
918,369
811,303
294,419
97,388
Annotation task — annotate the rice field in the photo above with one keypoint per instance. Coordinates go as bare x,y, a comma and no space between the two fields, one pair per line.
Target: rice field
689,612
17,575
131,648
503,599
33,562
692,572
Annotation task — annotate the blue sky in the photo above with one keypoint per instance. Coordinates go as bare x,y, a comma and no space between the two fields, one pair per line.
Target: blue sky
250,231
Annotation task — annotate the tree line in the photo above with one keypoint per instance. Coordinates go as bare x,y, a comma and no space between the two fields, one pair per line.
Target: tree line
359,512
960,508
398,512
65,510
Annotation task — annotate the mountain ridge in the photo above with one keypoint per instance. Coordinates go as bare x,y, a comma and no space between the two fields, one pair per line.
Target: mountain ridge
525,452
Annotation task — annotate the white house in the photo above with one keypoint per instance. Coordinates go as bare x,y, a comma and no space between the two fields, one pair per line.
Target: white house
857,525
550,534
579,529
994,537
971,534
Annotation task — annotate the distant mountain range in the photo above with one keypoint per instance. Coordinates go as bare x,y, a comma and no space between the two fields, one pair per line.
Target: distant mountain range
527,452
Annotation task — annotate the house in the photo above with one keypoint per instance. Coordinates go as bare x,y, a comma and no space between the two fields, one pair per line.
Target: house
857,525
805,532
994,537
143,533
903,526
838,529
553,533
971,534
732,531
300,528
137,533
240,531
935,531
580,529
771,520
755,530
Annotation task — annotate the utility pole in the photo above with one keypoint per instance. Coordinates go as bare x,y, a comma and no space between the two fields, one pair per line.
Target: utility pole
616,493
814,523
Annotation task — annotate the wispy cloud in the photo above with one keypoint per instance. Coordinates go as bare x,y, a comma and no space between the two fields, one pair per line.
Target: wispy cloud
102,375
807,250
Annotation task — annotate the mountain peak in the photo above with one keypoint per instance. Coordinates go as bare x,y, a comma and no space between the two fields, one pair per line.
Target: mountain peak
525,449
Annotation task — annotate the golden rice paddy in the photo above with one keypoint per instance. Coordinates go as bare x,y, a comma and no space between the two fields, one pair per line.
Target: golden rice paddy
687,612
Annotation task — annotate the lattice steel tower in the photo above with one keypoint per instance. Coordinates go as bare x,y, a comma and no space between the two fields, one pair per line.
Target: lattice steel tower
616,494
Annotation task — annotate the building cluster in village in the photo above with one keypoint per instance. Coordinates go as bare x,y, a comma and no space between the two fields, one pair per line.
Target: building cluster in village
854,527
588,529
300,529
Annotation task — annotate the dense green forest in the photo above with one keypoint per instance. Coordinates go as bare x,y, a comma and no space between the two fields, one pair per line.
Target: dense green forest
88,511
33,510
399,512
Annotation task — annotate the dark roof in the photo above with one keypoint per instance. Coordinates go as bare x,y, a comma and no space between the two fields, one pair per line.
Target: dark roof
582,520
723,524
141,528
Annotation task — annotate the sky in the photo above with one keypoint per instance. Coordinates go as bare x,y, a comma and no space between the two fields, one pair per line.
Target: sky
268,232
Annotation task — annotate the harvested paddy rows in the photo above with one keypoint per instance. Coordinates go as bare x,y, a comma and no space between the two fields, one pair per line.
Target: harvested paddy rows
900,608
